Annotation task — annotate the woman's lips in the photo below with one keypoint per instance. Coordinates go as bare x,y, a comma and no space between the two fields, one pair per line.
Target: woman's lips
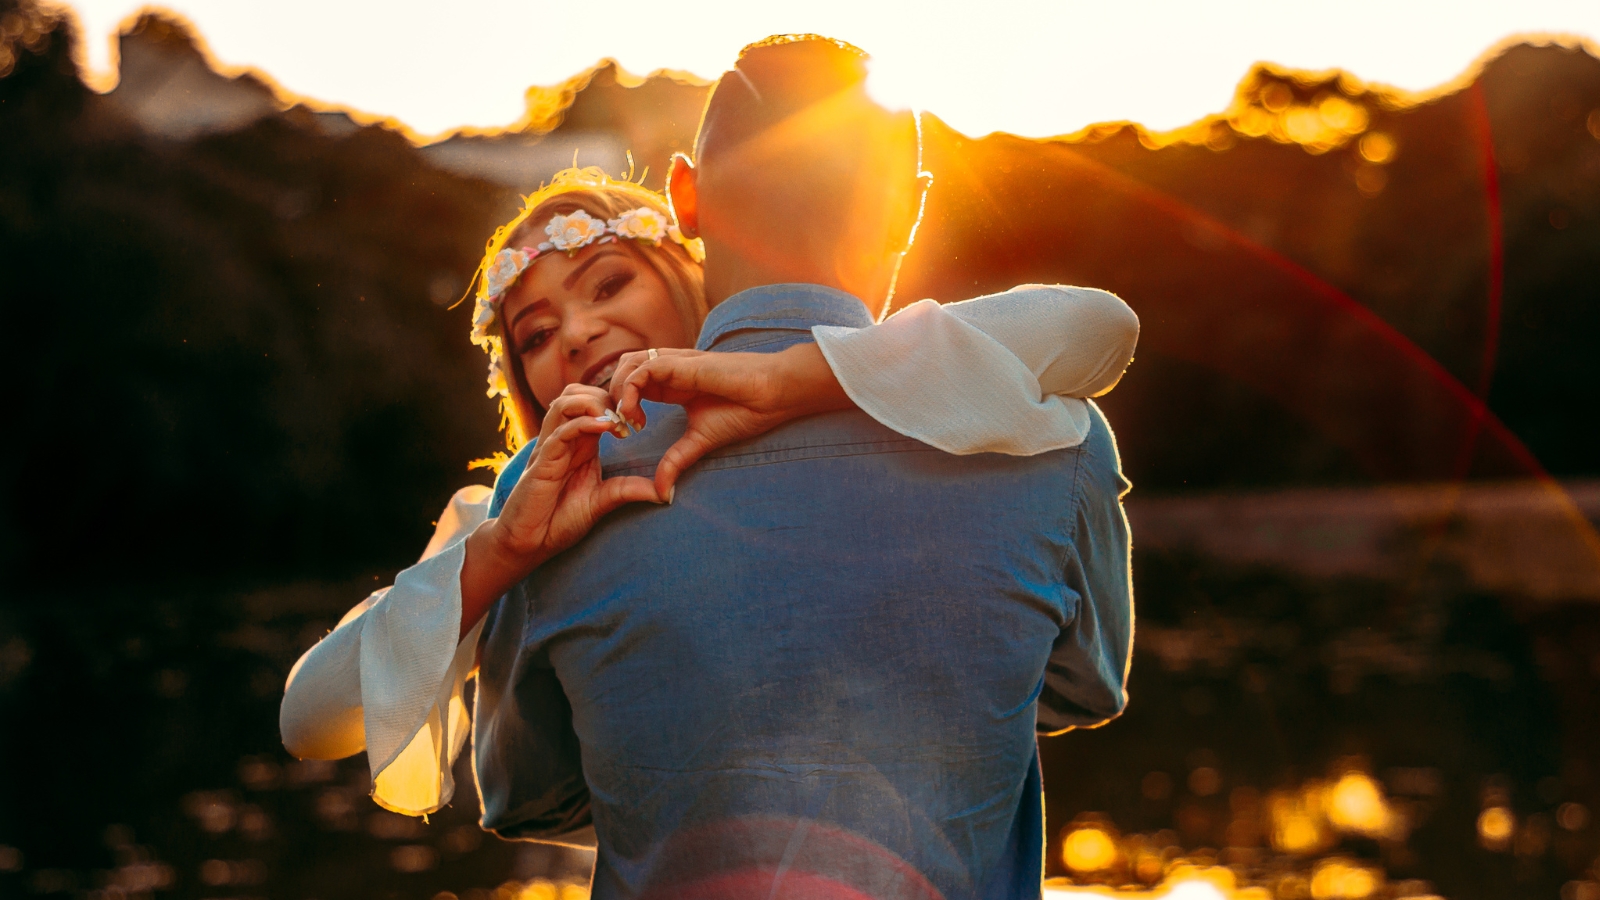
600,378
603,369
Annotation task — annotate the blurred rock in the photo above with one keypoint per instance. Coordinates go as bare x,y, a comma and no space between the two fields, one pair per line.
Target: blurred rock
169,88
1534,541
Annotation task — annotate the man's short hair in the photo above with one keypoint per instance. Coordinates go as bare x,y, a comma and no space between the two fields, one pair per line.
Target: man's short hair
773,80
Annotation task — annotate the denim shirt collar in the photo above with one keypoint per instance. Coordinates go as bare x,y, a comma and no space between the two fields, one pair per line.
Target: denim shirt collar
738,322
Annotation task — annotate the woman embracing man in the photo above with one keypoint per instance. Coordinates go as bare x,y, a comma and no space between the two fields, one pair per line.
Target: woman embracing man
769,597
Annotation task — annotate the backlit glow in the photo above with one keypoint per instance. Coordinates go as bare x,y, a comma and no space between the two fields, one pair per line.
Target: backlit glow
1495,827
1031,67
1336,879
1195,890
1088,850
1356,805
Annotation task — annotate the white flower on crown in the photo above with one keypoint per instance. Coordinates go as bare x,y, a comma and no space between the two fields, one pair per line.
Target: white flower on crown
507,265
574,231
642,224
482,318
498,387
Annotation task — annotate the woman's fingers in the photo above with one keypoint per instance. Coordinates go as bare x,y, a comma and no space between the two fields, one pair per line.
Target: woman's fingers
670,378
625,489
577,400
628,362
685,452
624,389
571,444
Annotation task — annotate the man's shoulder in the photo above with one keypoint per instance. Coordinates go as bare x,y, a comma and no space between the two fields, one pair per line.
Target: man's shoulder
836,435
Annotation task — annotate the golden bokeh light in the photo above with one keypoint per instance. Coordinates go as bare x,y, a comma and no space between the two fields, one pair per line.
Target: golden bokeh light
1580,890
1317,111
1572,816
1205,781
1337,879
1195,890
1297,825
1377,147
1148,867
1088,850
1195,883
1496,825
539,889
1356,805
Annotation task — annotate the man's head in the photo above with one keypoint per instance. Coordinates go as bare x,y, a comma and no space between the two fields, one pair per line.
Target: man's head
800,176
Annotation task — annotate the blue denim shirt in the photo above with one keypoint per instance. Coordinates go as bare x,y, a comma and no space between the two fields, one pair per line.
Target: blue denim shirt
827,661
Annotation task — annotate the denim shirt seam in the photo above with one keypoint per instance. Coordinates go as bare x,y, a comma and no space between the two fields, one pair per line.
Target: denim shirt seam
803,304
1078,465
791,454
1077,491
792,337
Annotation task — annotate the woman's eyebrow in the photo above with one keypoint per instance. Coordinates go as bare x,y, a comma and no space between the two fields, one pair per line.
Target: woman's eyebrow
566,283
537,304
584,267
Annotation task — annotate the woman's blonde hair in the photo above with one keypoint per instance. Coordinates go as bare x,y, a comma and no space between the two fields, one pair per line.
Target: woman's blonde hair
604,198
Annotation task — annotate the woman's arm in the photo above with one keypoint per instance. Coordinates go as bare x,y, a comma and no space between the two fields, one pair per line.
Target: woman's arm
998,374
358,688
558,498
390,678
994,374
321,714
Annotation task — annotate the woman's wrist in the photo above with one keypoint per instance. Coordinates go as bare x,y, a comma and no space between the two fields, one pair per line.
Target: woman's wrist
493,565
808,384
510,556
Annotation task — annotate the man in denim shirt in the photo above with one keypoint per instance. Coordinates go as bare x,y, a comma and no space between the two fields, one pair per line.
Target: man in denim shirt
820,671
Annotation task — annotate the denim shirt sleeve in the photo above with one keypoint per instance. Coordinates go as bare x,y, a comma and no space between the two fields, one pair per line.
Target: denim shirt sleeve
1085,681
507,479
550,797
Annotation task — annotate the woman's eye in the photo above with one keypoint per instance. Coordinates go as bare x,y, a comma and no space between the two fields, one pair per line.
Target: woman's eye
534,341
613,285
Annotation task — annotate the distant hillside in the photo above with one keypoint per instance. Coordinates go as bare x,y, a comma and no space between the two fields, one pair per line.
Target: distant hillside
223,299
219,311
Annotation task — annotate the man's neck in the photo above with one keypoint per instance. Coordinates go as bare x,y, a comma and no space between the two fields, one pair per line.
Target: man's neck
728,272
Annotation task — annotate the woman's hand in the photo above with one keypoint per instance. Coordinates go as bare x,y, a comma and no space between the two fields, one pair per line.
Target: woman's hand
558,499
729,397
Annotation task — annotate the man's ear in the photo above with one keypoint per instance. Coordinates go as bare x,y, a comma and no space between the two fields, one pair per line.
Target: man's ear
683,194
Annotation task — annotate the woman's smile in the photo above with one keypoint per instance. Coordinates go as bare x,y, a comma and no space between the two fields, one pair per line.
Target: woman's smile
599,374
570,318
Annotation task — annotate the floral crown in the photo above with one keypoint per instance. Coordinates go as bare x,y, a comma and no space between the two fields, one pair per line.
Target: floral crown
568,233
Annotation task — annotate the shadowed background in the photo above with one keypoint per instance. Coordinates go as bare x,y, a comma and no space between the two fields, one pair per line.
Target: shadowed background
1358,426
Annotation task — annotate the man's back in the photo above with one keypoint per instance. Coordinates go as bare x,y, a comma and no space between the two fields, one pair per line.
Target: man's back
823,660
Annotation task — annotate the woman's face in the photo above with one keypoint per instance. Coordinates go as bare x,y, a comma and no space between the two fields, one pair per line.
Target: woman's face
568,318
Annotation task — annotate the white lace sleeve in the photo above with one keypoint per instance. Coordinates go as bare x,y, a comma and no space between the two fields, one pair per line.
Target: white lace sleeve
390,678
998,374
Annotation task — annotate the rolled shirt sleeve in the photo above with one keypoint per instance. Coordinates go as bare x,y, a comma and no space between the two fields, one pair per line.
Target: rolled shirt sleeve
1086,678
391,677
996,374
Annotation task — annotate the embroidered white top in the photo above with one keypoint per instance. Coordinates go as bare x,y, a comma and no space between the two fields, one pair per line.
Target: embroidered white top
1001,374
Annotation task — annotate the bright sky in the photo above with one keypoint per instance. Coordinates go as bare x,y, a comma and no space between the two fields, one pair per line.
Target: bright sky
437,66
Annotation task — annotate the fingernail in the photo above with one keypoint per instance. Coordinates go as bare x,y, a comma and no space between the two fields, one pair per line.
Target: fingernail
622,429
671,492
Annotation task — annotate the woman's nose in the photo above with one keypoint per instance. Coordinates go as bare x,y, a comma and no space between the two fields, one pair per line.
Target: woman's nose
580,331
